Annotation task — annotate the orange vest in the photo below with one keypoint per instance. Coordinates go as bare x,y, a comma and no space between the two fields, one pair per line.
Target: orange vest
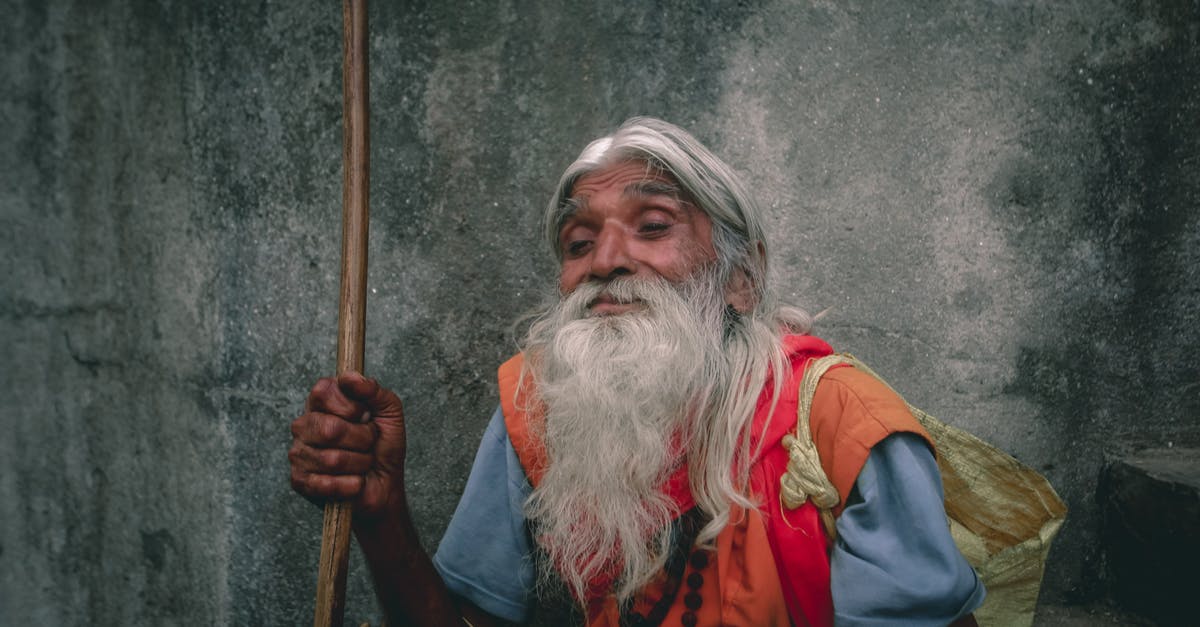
771,564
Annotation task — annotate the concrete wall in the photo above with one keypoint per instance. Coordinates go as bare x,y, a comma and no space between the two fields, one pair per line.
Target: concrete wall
997,201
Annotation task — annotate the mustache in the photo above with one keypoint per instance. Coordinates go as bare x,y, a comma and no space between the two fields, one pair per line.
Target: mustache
623,290
651,292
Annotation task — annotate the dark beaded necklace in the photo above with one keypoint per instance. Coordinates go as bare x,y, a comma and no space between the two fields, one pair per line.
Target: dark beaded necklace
684,537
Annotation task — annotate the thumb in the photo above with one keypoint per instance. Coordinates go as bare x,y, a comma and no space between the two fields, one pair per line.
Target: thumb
382,402
387,416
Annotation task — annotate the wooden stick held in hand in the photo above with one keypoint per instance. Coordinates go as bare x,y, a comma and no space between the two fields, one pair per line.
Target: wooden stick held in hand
356,145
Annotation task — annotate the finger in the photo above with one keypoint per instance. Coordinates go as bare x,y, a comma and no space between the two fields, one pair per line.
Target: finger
330,461
337,487
328,431
382,402
318,389
327,397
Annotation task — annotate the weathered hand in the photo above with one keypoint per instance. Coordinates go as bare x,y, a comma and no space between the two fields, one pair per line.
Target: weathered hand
350,444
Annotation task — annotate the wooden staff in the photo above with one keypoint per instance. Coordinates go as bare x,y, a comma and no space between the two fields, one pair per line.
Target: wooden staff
356,165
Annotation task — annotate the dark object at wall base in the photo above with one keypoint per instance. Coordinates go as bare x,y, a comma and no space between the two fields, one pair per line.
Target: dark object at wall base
1151,502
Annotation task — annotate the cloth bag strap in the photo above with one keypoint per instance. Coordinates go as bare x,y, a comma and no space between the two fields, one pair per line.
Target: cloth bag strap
804,478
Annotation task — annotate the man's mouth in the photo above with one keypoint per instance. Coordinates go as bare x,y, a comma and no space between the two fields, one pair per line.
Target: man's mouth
609,305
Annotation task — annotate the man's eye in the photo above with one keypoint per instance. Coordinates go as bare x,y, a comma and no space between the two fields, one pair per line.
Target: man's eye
577,247
654,227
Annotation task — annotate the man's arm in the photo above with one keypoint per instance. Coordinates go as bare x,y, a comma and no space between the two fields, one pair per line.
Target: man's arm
486,553
335,454
409,589
894,561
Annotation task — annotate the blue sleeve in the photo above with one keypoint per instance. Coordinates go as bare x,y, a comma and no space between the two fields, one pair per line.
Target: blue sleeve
894,562
485,555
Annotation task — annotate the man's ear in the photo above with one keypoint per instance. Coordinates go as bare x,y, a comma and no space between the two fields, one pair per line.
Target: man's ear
739,291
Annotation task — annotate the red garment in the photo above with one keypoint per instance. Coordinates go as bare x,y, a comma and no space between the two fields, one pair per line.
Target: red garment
851,413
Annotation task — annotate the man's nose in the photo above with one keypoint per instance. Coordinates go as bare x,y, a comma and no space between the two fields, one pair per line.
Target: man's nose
610,256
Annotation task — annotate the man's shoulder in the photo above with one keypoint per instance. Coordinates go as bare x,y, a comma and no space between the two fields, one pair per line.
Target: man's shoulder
853,411
511,368
859,406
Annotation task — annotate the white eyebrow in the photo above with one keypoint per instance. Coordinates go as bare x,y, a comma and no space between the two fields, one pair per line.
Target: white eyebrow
653,188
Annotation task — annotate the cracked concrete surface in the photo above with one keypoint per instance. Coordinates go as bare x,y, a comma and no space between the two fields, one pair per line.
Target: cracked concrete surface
995,201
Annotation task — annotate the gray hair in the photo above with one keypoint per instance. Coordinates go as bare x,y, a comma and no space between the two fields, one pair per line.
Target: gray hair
707,182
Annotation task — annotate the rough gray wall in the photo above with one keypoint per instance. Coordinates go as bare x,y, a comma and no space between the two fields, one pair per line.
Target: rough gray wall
997,200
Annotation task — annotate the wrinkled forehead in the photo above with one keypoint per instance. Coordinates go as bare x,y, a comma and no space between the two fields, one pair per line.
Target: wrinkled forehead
633,177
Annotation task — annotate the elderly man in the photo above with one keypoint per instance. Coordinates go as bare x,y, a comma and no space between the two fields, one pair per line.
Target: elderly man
633,465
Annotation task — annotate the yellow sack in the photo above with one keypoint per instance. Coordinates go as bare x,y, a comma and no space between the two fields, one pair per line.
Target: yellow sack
1002,513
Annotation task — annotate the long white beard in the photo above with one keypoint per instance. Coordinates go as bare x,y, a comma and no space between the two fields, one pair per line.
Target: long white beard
622,394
